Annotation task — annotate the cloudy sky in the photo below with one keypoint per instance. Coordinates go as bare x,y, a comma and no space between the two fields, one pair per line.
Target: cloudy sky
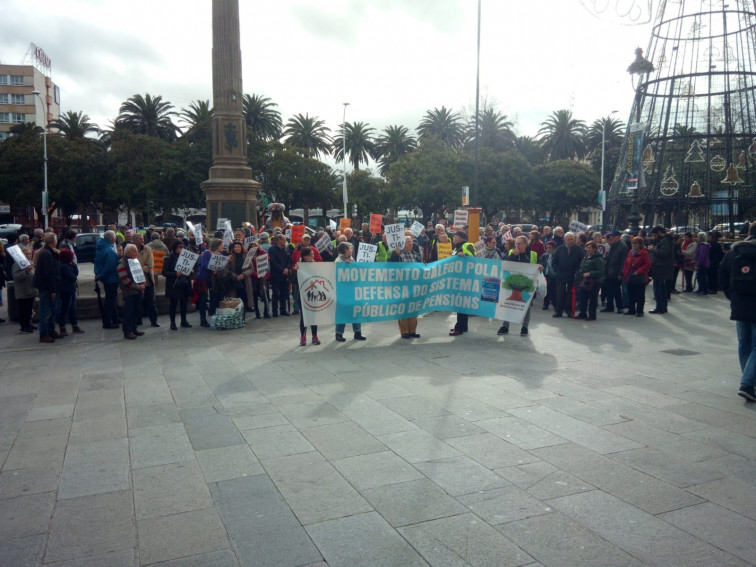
391,59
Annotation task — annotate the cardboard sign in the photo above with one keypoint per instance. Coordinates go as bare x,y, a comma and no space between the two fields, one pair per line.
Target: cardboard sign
197,230
480,246
157,258
394,236
18,256
228,236
576,227
220,224
366,252
217,262
375,223
322,243
249,240
186,261
137,273
297,232
444,250
416,228
262,266
460,219
344,224
287,234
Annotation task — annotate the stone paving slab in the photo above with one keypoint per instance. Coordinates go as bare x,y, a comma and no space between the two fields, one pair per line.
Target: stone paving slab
581,444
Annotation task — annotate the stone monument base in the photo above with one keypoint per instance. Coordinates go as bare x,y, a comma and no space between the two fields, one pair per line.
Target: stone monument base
233,199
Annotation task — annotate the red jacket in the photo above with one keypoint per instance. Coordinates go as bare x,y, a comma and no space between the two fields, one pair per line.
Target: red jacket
636,262
297,253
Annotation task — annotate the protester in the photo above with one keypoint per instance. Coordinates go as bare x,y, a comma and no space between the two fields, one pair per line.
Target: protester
565,262
702,264
689,246
177,286
635,274
46,280
306,255
715,257
280,266
156,244
201,283
521,253
548,272
238,273
25,291
737,279
535,243
106,271
615,263
490,251
461,248
66,301
591,271
661,251
345,251
407,325
258,286
131,291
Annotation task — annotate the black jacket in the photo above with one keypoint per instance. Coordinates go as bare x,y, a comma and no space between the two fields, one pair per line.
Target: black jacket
742,305
279,261
615,261
566,262
46,276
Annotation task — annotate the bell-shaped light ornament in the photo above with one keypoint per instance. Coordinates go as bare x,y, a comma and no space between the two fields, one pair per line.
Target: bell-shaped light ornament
732,176
695,190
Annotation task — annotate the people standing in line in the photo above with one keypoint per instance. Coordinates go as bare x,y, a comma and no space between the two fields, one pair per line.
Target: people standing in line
635,274
615,262
591,272
679,262
131,291
737,279
461,247
178,286
25,291
565,263
201,284
280,266
702,264
521,253
258,284
548,272
346,254
407,325
47,280
106,271
66,301
662,267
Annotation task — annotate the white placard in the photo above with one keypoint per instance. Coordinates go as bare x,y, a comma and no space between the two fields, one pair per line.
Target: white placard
186,261
287,233
137,273
366,252
227,237
197,230
220,224
322,243
460,219
262,266
416,228
217,262
394,236
190,225
576,227
480,246
18,256
249,240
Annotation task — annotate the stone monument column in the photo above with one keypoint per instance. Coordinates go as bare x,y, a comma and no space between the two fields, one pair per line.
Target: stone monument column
230,190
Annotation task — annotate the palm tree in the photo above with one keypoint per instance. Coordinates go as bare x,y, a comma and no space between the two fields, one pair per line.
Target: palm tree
615,130
73,125
531,149
444,125
263,120
26,128
562,136
148,115
392,144
198,112
494,131
308,133
360,145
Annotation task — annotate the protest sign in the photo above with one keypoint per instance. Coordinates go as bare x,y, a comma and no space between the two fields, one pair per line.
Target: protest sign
249,240
416,228
344,224
576,227
322,243
480,246
262,266
287,234
375,223
217,262
227,237
460,219
444,250
394,236
157,261
297,232
197,230
137,273
220,224
186,261
18,256
366,252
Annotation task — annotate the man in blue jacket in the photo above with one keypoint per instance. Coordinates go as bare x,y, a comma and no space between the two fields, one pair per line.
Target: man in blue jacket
106,271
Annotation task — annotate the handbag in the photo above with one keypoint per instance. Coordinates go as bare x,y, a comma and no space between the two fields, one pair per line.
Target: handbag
182,283
636,279
586,284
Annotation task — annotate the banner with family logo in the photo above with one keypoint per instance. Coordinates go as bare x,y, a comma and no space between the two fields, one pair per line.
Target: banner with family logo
364,292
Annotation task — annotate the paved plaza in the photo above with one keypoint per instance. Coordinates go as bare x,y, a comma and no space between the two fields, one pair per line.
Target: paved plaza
610,443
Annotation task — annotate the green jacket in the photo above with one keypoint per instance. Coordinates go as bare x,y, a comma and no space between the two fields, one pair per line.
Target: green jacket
594,265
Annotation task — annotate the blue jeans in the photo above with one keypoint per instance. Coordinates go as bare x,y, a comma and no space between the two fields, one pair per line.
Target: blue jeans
660,294
46,314
66,307
356,327
746,352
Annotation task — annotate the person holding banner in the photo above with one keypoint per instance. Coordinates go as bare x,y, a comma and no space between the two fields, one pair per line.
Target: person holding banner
131,291
346,254
461,248
521,253
407,326
177,286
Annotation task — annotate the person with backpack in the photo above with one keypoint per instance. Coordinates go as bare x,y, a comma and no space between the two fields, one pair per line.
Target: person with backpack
737,279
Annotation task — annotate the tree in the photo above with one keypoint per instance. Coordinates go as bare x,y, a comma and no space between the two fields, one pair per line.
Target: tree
368,192
198,112
562,136
263,120
21,164
309,134
444,125
148,115
393,144
531,149
74,125
360,146
494,131
615,131
505,181
563,186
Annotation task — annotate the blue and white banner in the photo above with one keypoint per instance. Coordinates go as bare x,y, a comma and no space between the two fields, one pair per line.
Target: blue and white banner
385,291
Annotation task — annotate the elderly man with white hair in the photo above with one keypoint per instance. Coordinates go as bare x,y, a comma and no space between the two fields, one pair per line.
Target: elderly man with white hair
565,263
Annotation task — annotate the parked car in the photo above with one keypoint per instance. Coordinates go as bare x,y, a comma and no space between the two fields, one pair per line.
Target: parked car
683,229
86,246
740,227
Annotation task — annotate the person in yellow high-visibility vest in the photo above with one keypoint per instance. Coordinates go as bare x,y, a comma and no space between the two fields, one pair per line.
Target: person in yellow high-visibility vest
461,248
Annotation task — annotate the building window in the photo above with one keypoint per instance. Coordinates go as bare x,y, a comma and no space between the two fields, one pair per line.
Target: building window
18,117
4,98
17,80
3,79
4,136
17,99
4,117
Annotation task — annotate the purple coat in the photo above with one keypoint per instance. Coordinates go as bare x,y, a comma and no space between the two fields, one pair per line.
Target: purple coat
702,255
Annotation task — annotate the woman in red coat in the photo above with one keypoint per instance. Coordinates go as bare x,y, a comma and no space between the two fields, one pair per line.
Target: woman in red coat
635,274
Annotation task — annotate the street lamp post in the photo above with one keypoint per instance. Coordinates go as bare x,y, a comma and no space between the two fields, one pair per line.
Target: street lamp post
602,194
44,158
343,138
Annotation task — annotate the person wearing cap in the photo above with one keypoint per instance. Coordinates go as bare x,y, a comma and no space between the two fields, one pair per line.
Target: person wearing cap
662,264
615,263
461,248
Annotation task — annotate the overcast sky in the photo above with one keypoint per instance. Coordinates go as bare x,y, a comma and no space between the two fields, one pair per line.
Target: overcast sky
391,59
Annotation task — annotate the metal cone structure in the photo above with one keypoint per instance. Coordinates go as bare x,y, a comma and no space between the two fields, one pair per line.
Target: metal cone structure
694,111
